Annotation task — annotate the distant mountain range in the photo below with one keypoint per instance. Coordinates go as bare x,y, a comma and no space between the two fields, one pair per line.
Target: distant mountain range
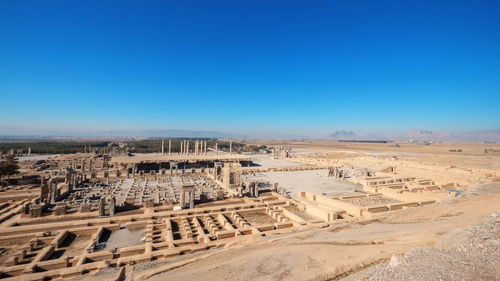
415,135
474,136
343,135
424,135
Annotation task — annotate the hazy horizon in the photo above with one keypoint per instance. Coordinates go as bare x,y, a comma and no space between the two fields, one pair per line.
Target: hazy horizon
417,135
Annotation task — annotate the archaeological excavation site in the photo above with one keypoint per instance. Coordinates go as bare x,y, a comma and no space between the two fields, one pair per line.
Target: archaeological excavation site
338,140
195,210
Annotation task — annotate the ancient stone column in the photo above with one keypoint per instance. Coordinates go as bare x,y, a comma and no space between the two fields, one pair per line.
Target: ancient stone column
183,198
256,192
230,147
29,151
196,147
169,146
112,206
205,148
44,191
187,148
191,199
162,147
101,208
52,194
216,149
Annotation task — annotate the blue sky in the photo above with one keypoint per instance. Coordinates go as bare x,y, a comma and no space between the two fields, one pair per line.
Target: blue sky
257,67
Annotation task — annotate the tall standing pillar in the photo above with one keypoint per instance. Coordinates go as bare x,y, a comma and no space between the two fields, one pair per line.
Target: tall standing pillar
169,146
205,148
230,147
101,208
187,148
196,147
54,193
44,192
183,198
216,149
191,199
162,147
112,206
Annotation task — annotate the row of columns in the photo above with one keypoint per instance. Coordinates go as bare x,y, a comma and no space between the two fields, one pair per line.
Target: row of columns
200,147
163,147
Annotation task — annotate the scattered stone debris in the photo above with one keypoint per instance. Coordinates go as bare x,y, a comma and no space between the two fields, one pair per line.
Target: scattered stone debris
474,256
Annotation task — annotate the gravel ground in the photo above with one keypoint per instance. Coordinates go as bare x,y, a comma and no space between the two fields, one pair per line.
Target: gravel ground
475,255
316,181
124,238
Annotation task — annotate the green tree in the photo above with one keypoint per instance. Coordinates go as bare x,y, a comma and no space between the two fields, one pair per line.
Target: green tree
8,167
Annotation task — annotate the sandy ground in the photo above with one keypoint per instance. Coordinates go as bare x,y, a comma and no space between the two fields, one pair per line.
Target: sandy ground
345,251
265,161
437,153
315,181
124,238
323,253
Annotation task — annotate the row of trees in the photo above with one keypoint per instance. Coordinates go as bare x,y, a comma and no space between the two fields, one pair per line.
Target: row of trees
149,146
140,146
8,167
51,147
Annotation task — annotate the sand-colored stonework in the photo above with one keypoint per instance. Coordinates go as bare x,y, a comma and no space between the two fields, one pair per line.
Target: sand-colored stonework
306,211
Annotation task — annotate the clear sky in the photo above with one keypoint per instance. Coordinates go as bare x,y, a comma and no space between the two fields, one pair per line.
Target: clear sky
263,67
